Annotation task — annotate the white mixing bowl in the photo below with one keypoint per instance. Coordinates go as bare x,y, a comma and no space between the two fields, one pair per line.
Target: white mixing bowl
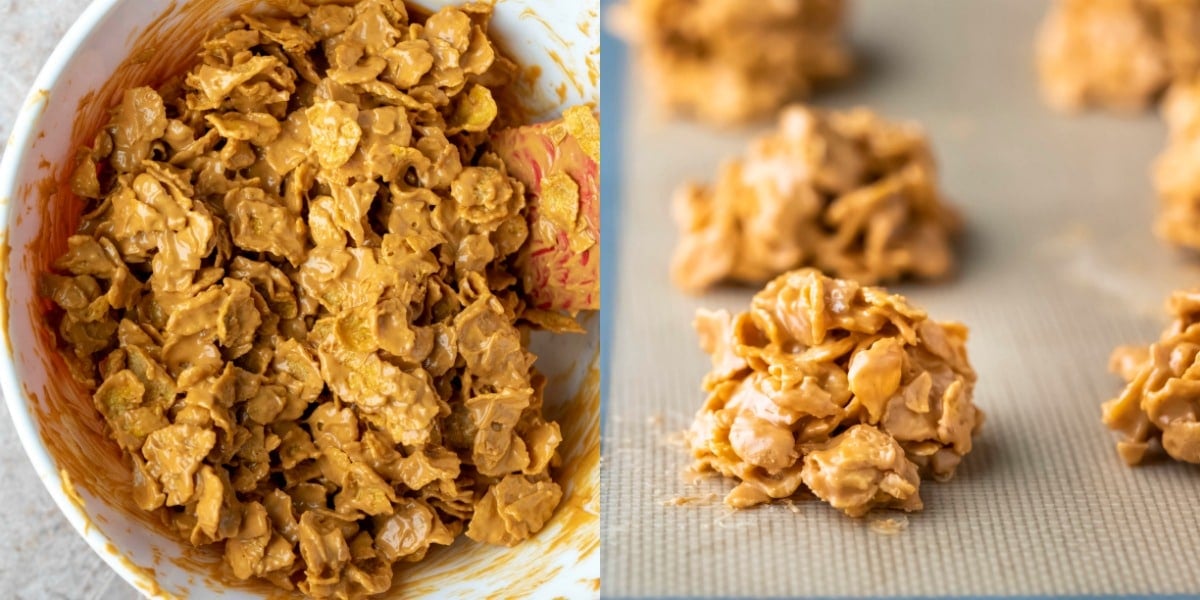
118,44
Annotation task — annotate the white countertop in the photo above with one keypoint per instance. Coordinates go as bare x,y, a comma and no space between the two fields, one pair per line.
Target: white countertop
41,557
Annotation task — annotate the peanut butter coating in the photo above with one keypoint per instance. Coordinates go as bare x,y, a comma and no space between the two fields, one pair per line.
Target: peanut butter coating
831,387
1161,399
294,295
846,192
724,62
1116,54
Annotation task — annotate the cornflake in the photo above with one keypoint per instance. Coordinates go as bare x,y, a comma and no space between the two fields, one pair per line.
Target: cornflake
1161,400
293,295
835,388
1116,54
846,192
724,61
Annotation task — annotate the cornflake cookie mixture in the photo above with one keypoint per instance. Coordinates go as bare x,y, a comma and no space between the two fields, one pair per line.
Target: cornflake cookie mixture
1116,54
1177,170
846,192
843,389
1160,401
726,61
293,296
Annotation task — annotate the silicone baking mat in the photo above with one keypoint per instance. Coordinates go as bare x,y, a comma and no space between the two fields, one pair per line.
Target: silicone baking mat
1058,266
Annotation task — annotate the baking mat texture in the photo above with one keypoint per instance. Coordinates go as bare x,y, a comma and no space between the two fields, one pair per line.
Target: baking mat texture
1058,266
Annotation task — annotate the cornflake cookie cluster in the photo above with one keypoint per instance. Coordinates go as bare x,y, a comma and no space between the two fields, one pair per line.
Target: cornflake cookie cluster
725,62
846,192
292,294
1161,400
1116,54
1177,170
836,388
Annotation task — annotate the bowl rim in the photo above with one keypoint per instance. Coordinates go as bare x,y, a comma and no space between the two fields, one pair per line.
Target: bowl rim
16,153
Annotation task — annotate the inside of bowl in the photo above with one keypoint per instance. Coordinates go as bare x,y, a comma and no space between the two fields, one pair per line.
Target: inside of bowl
143,42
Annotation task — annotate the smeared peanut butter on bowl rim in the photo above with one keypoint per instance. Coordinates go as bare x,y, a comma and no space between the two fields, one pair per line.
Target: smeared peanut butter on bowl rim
5,251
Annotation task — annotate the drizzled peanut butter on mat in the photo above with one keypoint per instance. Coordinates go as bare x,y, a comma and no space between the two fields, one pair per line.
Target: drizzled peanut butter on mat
1161,399
726,61
833,388
294,296
846,192
1116,54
